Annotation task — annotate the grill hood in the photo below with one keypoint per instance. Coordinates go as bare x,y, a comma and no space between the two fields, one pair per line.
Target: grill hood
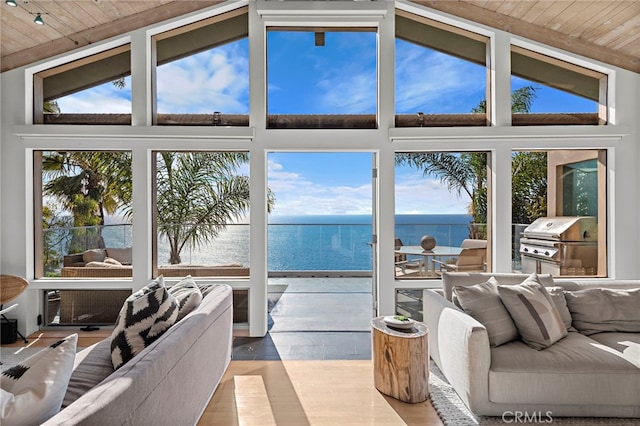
563,228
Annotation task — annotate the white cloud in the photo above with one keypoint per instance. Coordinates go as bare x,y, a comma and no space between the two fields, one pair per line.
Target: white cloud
417,194
215,80
102,99
297,195
434,82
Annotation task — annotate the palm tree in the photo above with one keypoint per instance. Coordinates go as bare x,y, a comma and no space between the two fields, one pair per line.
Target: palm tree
90,185
199,193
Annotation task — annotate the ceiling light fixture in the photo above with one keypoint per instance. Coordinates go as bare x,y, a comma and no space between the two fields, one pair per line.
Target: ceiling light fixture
38,19
11,3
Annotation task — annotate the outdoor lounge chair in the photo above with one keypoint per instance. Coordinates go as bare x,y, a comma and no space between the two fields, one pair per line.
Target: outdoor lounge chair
402,263
473,257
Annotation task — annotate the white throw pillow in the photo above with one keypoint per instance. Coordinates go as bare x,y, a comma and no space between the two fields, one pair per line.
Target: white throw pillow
33,390
188,295
144,317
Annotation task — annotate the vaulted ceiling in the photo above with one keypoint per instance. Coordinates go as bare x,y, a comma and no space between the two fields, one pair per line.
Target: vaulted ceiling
605,30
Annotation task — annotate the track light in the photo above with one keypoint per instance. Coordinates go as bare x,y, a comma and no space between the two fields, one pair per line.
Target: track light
38,20
11,3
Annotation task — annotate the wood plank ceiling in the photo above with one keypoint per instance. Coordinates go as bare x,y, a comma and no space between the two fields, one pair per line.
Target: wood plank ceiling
605,30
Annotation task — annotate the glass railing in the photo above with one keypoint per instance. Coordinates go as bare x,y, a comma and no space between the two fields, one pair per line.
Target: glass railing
290,247
61,242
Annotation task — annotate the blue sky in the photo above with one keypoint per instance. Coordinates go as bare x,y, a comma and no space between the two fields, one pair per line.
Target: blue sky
338,78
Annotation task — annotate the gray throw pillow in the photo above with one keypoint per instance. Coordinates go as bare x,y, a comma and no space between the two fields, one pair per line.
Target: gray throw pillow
595,310
557,295
144,317
482,302
187,294
534,313
94,255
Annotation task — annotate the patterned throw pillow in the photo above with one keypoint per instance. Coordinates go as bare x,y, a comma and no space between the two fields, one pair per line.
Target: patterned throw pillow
482,302
534,313
187,294
32,391
144,317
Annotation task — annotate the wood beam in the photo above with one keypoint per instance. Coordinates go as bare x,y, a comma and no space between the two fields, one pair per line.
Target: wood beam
103,32
534,32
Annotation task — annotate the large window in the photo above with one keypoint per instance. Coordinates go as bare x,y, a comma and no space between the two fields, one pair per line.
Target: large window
92,90
441,214
202,74
441,74
321,78
548,91
84,210
202,206
562,184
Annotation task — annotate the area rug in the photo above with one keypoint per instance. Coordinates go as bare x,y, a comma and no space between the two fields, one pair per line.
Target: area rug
453,412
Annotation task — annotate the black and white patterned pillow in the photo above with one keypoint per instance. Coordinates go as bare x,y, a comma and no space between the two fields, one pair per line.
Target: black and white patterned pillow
188,295
144,317
32,391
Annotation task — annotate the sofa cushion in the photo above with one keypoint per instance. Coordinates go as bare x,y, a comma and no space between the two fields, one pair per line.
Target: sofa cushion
596,310
144,317
557,295
575,370
94,255
625,345
187,294
122,255
32,391
534,313
105,265
92,366
483,303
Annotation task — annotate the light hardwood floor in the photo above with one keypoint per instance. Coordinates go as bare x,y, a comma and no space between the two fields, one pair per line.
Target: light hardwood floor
290,392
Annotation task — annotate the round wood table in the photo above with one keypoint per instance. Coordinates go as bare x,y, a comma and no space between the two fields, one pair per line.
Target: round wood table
401,361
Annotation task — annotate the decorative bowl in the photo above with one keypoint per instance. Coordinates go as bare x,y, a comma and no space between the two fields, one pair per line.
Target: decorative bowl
394,321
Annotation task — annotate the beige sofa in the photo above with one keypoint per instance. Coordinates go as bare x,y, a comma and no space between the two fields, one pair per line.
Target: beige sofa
595,375
169,383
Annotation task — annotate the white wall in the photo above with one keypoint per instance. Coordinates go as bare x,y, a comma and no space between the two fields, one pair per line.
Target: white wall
622,139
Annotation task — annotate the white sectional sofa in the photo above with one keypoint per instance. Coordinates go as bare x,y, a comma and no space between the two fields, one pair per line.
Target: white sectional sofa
169,383
579,375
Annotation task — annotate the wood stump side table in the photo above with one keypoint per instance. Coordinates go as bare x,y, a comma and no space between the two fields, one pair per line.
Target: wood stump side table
401,361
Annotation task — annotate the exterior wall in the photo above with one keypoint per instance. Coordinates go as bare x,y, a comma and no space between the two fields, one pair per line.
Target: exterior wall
19,138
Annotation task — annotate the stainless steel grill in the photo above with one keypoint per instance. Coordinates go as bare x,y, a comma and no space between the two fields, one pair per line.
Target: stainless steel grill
561,246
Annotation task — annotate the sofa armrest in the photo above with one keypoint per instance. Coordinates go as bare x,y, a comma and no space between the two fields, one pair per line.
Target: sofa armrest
459,345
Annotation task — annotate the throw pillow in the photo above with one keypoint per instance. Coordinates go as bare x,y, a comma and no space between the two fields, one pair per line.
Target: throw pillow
32,391
94,255
557,295
595,310
205,289
534,313
187,294
112,261
482,302
144,317
122,255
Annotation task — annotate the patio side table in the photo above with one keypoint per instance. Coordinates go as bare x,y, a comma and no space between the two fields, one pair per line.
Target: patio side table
401,361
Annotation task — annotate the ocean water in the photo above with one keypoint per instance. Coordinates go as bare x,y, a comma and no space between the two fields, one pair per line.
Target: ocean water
321,243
